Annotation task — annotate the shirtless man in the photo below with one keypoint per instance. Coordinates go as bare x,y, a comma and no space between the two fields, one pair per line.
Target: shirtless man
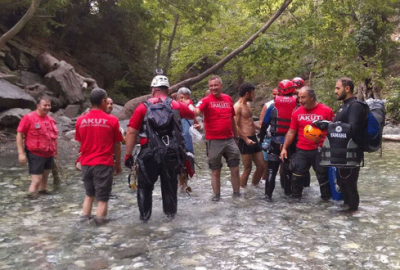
248,144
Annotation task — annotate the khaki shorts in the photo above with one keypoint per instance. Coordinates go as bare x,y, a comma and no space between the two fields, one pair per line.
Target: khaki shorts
227,148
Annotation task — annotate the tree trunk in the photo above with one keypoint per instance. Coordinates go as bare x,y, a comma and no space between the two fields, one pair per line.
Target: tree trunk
20,24
159,48
238,50
171,41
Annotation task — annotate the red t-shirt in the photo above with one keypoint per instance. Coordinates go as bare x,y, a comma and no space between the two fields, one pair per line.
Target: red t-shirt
40,134
136,121
97,132
302,117
218,114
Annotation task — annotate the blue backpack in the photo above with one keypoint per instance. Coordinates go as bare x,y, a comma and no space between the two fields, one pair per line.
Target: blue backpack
372,140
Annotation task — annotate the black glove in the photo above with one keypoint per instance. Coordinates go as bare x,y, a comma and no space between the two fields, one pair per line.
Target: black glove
321,124
129,161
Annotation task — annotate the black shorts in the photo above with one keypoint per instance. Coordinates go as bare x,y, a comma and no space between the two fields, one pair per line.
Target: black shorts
98,181
37,164
249,149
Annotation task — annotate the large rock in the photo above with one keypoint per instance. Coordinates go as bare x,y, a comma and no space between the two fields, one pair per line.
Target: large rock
130,106
117,109
29,78
65,82
11,96
72,110
12,117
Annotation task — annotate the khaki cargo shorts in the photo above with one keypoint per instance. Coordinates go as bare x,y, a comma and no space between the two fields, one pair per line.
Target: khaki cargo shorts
227,148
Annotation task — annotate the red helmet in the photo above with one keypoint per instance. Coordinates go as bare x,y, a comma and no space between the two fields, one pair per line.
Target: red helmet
298,82
286,87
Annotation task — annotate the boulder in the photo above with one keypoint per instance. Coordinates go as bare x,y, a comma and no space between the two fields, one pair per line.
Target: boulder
64,82
130,106
10,61
11,96
30,78
72,110
12,117
117,110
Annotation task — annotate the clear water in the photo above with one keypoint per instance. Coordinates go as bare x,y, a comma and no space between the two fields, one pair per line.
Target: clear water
242,233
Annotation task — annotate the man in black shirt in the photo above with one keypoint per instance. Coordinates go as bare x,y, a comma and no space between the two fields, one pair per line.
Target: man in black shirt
354,114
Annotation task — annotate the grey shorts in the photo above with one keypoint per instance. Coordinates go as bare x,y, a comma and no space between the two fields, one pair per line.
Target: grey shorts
227,148
98,181
37,165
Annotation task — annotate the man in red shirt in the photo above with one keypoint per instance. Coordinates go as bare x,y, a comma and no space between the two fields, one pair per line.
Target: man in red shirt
40,132
220,128
100,138
307,151
150,166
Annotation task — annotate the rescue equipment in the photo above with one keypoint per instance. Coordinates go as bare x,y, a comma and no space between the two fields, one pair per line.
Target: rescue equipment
339,149
281,116
313,133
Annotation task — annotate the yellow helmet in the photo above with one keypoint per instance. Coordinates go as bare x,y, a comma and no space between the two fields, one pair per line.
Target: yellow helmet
313,133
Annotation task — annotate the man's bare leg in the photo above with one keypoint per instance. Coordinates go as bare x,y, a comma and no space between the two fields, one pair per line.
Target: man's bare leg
43,182
215,181
258,160
35,183
87,206
247,161
235,179
101,211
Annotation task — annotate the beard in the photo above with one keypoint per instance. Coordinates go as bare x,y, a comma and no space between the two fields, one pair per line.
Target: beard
341,96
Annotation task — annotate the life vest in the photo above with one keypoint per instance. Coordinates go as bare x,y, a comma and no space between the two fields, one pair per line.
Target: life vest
42,135
339,149
281,116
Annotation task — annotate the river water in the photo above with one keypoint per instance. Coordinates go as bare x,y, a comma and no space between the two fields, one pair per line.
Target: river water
235,233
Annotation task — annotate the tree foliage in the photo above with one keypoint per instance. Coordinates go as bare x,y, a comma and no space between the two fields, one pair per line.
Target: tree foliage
123,41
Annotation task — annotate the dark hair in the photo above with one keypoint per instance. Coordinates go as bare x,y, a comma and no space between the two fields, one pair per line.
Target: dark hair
97,95
310,92
43,97
346,81
246,87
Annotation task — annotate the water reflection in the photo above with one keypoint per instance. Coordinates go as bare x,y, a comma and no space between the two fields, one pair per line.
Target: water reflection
243,233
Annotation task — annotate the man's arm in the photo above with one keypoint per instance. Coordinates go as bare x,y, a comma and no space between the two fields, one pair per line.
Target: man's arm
198,112
289,138
117,154
263,110
20,146
131,139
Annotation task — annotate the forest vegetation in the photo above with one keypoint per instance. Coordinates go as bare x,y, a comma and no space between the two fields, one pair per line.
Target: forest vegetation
121,42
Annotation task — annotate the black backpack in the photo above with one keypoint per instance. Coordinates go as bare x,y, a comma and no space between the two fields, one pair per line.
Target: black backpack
164,133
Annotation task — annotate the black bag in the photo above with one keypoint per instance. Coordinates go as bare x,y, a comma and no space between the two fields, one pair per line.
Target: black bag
164,133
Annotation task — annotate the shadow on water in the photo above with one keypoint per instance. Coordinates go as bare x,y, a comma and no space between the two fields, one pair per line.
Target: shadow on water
241,233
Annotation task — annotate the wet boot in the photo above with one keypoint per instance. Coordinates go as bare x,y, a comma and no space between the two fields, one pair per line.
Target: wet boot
287,180
325,189
307,180
144,199
297,186
170,197
270,182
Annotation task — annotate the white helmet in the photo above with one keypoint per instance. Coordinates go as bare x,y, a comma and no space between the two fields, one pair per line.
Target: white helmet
160,80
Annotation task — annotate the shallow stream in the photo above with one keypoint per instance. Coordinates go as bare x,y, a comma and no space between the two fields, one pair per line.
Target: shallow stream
235,233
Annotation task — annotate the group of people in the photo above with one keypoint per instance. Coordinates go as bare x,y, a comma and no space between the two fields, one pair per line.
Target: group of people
158,125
